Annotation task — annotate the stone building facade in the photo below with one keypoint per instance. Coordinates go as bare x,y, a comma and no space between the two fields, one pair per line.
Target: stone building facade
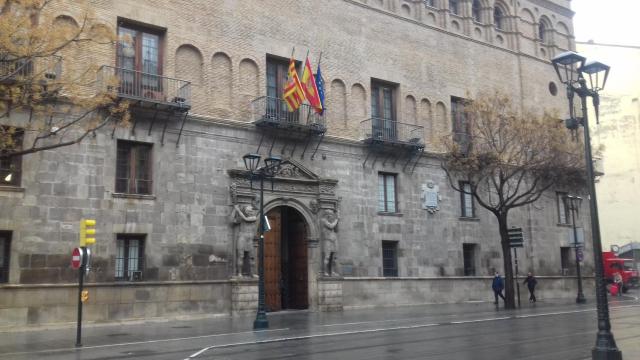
172,242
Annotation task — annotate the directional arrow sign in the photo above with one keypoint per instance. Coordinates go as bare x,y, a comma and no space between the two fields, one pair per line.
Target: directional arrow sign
516,239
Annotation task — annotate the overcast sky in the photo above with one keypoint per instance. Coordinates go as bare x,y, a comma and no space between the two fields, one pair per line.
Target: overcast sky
610,21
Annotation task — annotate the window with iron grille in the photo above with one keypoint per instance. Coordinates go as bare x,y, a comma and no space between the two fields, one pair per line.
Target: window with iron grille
129,257
390,258
460,123
469,259
11,167
133,168
467,206
387,199
431,3
5,251
563,210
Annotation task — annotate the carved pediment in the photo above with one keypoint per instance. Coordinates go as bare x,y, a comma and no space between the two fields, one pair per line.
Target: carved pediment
292,169
292,178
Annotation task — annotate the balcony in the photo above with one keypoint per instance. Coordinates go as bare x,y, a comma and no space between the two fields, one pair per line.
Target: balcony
146,90
30,69
386,132
270,112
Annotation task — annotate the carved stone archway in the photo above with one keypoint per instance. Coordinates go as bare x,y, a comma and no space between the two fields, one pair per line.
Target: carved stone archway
297,187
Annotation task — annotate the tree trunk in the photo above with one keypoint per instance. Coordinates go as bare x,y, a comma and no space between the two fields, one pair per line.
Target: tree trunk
510,303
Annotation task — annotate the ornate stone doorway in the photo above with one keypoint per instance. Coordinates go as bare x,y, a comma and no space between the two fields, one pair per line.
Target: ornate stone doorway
286,269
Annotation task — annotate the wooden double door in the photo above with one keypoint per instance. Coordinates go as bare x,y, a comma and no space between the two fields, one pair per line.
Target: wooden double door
285,260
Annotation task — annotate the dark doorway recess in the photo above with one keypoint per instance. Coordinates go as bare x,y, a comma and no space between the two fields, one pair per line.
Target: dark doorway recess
285,254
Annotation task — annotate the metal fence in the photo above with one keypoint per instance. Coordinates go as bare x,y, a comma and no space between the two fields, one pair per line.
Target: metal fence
275,110
144,86
378,129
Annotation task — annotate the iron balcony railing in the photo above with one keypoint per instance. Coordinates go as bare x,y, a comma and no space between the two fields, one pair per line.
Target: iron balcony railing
388,130
28,69
138,85
267,109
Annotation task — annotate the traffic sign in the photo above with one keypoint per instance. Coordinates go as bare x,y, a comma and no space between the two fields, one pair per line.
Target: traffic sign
580,255
76,258
516,238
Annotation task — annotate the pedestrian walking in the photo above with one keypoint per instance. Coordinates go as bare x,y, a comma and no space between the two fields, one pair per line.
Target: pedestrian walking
531,283
617,281
498,285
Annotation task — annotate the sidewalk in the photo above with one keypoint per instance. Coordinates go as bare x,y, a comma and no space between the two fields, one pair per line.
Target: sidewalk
288,323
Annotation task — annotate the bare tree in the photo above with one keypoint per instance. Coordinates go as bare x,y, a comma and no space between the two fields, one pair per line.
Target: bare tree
48,92
509,160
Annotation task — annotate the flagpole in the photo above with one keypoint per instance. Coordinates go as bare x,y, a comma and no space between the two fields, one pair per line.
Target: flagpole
319,58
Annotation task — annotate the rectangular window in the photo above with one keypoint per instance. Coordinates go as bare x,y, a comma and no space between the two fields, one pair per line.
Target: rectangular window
139,55
453,6
387,199
565,256
563,211
129,257
389,258
133,168
467,206
5,251
469,258
11,168
383,110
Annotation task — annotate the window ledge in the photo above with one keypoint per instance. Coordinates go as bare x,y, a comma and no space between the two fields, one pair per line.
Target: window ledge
11,188
564,225
133,196
465,218
382,213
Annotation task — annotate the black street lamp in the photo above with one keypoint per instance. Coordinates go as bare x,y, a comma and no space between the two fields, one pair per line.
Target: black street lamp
572,69
573,203
269,170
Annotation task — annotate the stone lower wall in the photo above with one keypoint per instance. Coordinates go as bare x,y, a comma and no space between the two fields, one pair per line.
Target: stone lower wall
363,292
30,305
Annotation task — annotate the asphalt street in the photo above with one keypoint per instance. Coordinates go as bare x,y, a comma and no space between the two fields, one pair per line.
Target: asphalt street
474,331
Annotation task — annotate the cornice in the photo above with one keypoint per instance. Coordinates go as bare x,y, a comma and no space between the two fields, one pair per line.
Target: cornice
553,7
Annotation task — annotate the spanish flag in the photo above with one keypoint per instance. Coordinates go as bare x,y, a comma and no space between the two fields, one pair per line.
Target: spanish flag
310,88
293,93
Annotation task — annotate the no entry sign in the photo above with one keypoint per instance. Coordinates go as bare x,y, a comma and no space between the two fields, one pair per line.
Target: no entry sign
76,258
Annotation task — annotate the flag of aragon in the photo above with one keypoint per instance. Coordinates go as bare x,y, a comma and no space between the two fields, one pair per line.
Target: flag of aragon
310,88
293,93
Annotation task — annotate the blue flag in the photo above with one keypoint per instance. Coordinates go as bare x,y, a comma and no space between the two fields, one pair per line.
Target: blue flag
320,85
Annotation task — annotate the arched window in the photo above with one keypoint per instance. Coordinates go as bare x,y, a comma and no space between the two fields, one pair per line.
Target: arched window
431,3
453,6
498,18
542,32
476,11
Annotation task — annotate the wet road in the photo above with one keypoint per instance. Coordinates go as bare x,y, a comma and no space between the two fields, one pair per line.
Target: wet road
437,332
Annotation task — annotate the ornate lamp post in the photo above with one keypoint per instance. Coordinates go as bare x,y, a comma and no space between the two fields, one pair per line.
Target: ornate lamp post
269,170
573,203
573,71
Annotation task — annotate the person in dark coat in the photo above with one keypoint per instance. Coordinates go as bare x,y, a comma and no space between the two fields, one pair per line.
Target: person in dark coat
531,285
498,285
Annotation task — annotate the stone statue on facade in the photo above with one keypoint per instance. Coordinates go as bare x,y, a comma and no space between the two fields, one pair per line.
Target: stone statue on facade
245,216
329,222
